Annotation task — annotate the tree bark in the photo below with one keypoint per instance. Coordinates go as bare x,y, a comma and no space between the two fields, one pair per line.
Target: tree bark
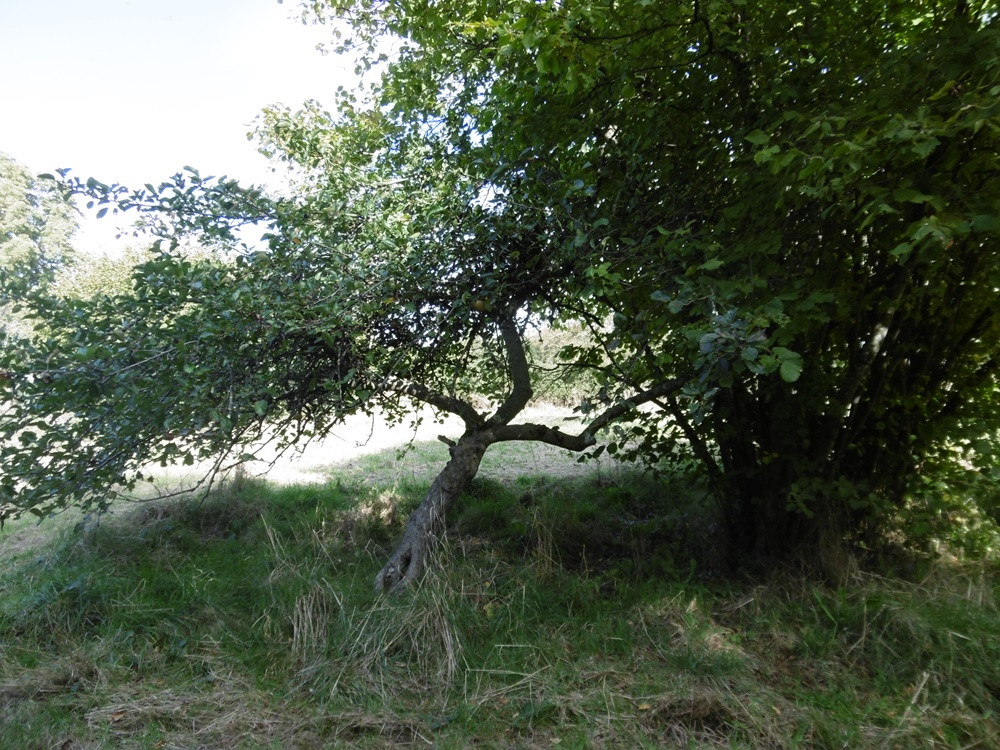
427,521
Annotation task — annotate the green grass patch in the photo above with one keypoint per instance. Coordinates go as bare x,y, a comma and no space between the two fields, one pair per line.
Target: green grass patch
564,611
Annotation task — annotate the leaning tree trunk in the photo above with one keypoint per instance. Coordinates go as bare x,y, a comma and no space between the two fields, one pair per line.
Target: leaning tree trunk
427,521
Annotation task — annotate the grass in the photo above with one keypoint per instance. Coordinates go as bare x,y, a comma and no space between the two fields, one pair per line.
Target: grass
571,612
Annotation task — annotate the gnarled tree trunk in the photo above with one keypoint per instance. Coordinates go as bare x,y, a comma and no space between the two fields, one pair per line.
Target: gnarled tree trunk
427,520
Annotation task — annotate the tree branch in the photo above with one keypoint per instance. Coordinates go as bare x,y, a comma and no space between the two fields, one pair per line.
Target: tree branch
623,407
517,364
542,434
457,406
694,440
586,438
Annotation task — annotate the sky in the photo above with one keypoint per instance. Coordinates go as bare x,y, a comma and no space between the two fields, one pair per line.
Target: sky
131,91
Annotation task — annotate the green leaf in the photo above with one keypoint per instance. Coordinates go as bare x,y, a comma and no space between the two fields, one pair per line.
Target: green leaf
987,223
943,91
791,363
764,155
902,250
926,147
910,195
791,370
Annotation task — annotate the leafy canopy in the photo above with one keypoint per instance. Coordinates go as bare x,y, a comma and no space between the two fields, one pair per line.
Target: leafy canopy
797,200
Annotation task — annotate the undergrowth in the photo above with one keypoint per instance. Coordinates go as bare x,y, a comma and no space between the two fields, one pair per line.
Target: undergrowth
570,613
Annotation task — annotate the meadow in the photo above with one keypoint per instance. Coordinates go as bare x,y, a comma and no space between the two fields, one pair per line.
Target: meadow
572,607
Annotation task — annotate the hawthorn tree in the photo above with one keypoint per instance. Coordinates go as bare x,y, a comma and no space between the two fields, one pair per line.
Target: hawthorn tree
386,285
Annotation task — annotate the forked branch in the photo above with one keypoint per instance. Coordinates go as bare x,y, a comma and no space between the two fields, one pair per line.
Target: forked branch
427,522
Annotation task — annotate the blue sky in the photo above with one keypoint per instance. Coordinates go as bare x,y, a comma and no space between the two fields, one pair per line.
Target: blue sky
132,90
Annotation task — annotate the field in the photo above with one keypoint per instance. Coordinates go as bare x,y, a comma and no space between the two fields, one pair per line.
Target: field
574,606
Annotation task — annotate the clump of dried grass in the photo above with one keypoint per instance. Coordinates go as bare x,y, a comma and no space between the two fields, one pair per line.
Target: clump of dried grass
419,636
311,618
714,714
230,710
64,674
404,643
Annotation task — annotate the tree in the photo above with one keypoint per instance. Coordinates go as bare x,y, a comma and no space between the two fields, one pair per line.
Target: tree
36,229
797,200
353,306
776,222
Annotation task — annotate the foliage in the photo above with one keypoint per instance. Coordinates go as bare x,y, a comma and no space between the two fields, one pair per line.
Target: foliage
557,381
799,201
97,275
36,228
